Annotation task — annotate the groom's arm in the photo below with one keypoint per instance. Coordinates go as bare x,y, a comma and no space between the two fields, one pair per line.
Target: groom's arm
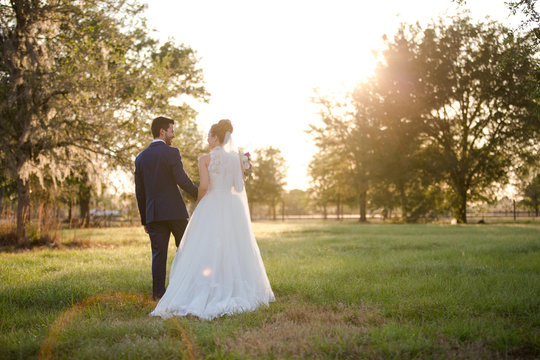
181,177
140,194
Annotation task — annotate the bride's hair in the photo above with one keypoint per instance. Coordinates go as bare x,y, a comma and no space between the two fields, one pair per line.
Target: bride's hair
219,129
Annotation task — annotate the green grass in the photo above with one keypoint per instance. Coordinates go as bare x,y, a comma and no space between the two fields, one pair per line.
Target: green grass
343,291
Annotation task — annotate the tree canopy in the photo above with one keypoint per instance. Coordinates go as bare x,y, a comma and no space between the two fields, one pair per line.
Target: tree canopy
451,111
266,182
80,80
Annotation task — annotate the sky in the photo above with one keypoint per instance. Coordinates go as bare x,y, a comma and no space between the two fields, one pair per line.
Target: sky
263,60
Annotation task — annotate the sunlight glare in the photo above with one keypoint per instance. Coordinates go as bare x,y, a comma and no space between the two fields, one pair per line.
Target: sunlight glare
207,272
263,60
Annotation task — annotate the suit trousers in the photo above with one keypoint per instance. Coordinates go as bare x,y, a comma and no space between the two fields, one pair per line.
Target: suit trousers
160,232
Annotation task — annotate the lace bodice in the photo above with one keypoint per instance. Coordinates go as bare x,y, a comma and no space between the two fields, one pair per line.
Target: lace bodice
225,171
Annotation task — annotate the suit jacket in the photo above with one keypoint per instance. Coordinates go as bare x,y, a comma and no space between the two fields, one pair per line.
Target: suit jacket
158,173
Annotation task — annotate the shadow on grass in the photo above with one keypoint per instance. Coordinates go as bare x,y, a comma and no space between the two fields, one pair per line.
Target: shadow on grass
8,243
44,239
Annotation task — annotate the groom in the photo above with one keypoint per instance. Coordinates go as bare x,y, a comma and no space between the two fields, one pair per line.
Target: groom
158,173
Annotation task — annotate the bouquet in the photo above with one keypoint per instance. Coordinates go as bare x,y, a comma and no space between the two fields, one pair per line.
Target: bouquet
246,163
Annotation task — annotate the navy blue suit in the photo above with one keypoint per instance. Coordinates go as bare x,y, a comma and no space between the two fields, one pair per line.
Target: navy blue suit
158,173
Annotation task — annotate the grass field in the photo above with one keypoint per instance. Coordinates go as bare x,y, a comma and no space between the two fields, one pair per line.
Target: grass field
343,291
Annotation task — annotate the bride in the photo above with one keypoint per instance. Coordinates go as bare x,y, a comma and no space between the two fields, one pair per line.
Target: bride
218,268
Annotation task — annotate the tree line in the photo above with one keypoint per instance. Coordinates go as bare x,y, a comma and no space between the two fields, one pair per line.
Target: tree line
79,82
450,117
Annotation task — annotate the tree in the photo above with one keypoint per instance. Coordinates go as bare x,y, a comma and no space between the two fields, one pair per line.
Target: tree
267,179
79,82
387,112
322,182
479,81
527,8
397,111
531,194
389,109
296,202
361,148
337,171
331,180
383,197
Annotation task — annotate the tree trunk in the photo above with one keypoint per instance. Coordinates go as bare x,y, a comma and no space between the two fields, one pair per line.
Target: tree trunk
56,212
84,204
70,213
325,212
40,221
2,192
338,205
23,208
461,208
404,205
362,201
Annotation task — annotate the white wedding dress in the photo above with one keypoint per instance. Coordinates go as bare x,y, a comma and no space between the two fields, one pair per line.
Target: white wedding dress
218,268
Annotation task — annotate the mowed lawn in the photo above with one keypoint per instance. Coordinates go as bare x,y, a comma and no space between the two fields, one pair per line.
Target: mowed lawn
343,291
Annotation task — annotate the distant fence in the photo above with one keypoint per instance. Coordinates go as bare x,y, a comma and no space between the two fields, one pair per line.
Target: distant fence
471,217
504,216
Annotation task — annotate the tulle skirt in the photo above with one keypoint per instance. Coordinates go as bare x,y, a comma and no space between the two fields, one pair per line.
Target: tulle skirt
218,268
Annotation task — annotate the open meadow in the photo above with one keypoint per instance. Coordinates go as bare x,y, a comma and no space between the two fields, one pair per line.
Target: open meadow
343,291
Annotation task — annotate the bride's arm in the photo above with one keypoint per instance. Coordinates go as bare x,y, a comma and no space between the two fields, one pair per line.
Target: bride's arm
203,174
241,162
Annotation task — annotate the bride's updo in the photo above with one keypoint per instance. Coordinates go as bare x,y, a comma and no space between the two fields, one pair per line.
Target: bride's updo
219,129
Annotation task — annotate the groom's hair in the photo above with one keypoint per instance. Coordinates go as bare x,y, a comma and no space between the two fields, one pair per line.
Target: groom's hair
161,122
